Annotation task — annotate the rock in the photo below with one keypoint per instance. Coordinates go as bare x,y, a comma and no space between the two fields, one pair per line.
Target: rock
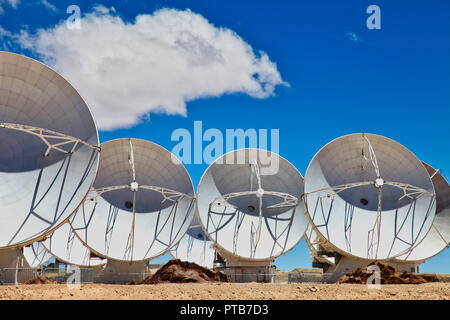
388,275
177,271
41,280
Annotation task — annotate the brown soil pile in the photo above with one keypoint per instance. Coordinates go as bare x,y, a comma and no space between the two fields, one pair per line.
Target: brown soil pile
41,280
177,271
388,276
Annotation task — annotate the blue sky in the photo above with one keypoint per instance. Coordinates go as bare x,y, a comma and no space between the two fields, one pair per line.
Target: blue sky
343,78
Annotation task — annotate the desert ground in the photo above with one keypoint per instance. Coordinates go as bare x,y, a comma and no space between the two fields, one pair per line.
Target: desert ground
224,291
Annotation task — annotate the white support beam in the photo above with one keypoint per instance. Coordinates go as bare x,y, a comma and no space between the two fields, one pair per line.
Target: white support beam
45,134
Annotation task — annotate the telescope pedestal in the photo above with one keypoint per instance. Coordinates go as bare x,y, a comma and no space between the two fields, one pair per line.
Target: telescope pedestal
14,268
247,270
122,272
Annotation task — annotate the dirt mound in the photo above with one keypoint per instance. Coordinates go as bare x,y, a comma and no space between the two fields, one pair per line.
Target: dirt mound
388,276
177,271
41,280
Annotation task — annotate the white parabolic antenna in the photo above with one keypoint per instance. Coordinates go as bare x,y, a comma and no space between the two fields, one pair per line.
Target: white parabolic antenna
195,246
438,237
369,196
249,202
66,247
141,204
49,150
36,254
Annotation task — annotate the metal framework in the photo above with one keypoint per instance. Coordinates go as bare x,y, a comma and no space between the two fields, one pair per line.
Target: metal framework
168,195
39,254
287,201
314,244
399,226
71,239
410,191
349,210
45,135
190,245
161,225
62,139
373,237
70,254
59,209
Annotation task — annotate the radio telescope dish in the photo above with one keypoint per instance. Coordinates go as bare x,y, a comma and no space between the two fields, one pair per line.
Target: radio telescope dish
250,210
141,203
369,196
195,246
36,254
67,248
49,146
438,238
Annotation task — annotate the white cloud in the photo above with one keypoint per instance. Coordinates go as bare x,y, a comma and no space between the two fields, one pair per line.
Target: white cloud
7,40
49,5
353,37
126,70
12,3
5,33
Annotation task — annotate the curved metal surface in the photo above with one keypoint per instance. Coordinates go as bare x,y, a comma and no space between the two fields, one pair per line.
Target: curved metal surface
369,196
250,204
195,246
36,254
141,203
438,238
49,145
66,247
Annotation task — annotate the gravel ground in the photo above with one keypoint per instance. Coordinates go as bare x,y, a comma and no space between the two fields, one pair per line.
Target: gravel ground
224,291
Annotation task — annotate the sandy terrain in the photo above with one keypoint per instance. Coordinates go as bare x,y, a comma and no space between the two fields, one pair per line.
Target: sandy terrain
224,291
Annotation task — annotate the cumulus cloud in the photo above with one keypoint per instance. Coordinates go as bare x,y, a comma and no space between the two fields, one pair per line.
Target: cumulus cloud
156,63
